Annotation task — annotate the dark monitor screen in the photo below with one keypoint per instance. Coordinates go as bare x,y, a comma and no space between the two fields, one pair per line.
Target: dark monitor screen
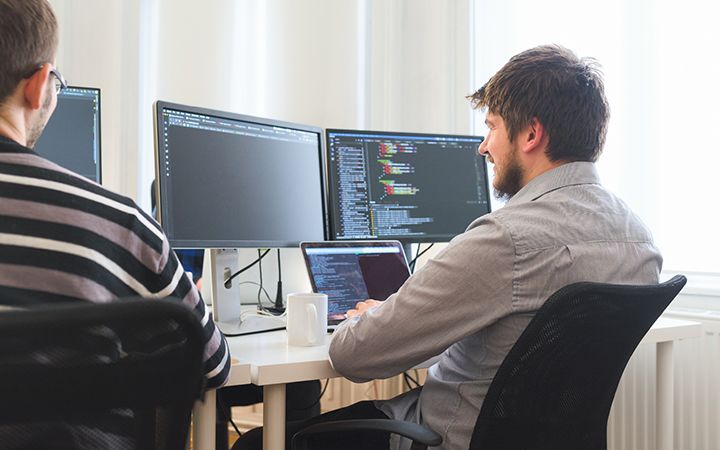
72,135
228,181
409,187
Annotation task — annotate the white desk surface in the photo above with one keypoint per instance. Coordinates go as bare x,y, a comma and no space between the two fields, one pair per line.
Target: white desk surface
272,361
665,330
240,373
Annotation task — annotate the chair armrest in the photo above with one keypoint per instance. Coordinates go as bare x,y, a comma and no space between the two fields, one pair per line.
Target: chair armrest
417,433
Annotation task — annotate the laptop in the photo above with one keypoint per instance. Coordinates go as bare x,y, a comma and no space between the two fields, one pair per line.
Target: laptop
353,271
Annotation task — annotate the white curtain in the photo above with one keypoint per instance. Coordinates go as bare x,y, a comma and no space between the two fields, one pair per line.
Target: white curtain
383,64
661,74
99,47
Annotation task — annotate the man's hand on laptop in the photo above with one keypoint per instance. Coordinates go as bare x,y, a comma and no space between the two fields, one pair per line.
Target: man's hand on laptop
361,307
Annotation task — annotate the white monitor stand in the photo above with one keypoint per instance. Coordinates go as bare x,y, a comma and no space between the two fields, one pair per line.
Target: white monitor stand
226,302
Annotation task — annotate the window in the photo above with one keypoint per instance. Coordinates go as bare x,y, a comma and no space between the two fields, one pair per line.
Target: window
661,79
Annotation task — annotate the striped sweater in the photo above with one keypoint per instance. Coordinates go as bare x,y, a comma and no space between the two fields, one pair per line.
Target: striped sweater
65,238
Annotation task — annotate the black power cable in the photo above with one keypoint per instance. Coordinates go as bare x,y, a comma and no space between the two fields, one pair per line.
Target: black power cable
418,255
279,291
260,287
229,279
408,378
275,309
407,382
267,296
278,307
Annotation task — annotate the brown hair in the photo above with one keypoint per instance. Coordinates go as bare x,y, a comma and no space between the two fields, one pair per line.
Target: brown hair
565,93
28,38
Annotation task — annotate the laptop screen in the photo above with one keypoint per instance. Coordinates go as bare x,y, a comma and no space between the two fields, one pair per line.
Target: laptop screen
353,271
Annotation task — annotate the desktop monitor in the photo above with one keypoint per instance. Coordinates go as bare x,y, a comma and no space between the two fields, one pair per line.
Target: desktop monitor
72,135
409,187
227,180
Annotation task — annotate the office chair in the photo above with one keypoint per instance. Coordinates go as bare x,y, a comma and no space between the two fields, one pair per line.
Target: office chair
120,375
555,387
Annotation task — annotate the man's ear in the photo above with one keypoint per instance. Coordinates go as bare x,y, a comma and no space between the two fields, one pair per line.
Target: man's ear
533,137
36,87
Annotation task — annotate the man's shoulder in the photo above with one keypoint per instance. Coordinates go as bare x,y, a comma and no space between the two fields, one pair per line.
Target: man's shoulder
572,214
564,203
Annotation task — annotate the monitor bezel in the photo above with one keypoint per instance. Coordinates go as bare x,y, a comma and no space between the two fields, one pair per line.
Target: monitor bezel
331,226
160,105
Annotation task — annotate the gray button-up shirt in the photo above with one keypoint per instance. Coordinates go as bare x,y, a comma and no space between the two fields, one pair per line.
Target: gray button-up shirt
473,300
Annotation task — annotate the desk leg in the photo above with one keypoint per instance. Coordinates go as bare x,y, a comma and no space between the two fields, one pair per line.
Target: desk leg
664,421
204,423
274,417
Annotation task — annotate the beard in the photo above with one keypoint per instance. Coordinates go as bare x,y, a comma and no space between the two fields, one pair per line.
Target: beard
510,181
36,128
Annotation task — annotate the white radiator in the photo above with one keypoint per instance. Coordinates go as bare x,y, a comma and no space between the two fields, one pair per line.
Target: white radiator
697,393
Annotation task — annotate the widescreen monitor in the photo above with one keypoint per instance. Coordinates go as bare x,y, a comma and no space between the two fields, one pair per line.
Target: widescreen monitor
231,181
71,137
410,187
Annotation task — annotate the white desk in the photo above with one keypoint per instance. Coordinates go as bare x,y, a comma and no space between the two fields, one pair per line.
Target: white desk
274,364
204,412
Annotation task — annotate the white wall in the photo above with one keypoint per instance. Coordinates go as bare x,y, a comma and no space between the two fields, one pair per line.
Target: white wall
419,66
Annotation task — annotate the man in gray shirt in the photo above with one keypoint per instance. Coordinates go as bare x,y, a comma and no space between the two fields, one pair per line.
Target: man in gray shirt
547,118
547,115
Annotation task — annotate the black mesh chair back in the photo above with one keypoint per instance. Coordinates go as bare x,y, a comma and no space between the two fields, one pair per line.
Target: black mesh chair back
555,388
123,375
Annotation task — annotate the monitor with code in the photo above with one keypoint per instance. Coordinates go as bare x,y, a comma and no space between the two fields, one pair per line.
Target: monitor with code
406,186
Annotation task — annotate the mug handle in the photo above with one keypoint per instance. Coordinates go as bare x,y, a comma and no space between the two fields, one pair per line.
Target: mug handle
312,317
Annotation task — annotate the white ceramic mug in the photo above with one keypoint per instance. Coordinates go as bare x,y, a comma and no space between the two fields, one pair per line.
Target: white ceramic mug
306,319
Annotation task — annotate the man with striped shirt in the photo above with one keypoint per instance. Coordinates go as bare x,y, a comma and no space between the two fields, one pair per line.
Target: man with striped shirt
62,237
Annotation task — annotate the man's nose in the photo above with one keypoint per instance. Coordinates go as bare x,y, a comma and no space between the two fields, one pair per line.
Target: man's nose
482,148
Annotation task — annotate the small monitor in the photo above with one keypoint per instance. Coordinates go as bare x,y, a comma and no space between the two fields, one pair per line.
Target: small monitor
72,135
406,186
230,181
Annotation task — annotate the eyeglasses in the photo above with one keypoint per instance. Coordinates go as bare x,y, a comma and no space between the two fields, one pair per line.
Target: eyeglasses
60,82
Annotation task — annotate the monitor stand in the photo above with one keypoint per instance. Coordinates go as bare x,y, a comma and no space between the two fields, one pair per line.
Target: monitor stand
226,301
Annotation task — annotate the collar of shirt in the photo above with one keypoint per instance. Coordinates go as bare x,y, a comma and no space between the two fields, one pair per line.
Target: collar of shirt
569,174
7,145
